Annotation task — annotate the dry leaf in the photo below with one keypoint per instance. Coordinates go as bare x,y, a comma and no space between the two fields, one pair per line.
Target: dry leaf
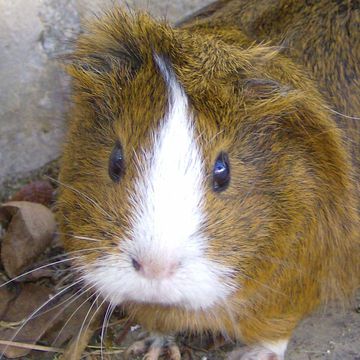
55,324
37,275
5,298
29,233
39,191
30,298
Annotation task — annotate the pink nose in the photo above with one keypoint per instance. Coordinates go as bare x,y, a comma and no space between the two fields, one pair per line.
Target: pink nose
155,270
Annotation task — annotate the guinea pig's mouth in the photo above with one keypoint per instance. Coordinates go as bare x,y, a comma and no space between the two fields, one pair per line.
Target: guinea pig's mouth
195,285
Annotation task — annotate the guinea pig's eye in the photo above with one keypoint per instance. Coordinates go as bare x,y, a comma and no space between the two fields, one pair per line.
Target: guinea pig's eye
221,172
116,163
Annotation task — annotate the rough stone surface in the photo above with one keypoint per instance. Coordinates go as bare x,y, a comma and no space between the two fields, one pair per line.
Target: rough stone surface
33,88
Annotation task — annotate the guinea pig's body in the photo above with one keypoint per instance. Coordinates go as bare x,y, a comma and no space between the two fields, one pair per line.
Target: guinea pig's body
205,181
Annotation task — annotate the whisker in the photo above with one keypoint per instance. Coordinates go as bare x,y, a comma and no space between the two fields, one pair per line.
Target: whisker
341,114
86,238
199,136
90,249
84,321
110,309
76,295
76,310
79,251
264,285
215,136
90,320
36,269
79,237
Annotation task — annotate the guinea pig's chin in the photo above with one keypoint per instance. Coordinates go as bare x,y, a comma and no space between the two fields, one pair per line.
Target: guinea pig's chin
197,285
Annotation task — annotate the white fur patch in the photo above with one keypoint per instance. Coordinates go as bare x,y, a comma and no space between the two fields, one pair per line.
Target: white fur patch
168,211
169,198
263,351
278,347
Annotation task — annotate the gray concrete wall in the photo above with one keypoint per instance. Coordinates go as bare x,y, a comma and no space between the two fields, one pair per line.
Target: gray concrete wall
33,88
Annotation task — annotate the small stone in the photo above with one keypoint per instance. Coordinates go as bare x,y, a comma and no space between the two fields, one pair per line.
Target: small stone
135,328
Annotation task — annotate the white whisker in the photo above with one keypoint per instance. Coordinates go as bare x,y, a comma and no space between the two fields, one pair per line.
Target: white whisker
79,237
36,269
340,114
84,321
106,320
76,310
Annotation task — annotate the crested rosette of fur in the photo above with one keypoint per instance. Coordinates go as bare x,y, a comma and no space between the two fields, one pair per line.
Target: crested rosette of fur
285,230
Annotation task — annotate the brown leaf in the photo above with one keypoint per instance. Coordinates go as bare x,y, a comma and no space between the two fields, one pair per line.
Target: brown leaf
30,298
5,298
29,233
39,191
55,324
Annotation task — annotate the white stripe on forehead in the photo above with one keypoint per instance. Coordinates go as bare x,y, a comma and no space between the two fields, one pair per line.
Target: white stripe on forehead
169,194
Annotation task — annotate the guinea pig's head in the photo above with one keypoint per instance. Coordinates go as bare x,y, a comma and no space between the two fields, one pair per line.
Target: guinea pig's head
189,173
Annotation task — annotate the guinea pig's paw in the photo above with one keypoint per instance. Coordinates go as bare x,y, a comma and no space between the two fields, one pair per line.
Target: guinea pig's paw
153,347
254,353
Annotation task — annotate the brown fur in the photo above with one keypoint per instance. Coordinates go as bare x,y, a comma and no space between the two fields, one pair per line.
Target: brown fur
289,220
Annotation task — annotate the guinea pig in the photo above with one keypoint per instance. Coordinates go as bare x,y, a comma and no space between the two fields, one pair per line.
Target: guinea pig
209,181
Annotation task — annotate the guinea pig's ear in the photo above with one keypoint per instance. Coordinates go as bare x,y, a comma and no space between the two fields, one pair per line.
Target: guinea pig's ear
299,119
106,56
262,88
97,75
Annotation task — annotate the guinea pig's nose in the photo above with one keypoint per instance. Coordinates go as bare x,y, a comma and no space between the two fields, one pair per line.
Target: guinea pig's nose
155,270
135,264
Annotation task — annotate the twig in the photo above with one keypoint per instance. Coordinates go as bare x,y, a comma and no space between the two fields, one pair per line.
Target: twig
98,352
10,325
31,346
